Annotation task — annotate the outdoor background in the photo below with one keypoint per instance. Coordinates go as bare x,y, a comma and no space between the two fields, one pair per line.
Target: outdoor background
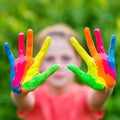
18,16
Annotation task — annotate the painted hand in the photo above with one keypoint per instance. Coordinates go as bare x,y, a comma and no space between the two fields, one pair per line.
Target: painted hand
101,68
25,75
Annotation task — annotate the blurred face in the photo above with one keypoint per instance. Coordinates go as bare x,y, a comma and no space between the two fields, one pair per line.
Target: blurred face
62,53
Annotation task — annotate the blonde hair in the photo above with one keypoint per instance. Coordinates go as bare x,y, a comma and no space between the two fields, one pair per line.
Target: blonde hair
61,30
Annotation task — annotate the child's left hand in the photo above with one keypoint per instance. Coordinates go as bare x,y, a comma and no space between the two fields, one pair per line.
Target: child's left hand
101,68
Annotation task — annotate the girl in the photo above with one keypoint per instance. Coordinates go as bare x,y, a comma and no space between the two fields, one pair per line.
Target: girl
60,97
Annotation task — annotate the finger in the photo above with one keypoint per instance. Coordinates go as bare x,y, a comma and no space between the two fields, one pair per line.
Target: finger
39,78
112,46
99,42
80,50
87,78
42,51
20,44
77,71
111,59
34,69
90,42
9,54
29,44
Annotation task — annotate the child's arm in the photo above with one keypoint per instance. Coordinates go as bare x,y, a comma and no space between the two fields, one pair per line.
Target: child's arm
97,99
25,75
101,73
23,101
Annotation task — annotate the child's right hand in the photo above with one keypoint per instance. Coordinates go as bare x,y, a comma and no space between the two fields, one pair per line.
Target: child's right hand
25,76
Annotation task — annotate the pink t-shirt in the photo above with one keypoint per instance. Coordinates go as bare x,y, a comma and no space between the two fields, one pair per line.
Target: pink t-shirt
68,106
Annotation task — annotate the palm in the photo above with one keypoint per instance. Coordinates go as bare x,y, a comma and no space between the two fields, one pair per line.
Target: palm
25,74
101,68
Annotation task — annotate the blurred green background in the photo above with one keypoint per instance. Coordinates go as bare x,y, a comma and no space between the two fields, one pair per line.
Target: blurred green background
18,16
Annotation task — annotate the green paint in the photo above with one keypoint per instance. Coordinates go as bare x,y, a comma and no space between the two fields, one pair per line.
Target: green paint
39,79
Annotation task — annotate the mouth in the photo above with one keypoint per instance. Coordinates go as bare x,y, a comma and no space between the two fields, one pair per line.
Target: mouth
58,77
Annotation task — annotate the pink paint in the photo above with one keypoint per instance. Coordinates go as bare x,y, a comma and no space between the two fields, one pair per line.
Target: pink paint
107,68
20,62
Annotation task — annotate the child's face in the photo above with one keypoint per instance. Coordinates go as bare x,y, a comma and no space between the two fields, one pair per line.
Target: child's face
62,53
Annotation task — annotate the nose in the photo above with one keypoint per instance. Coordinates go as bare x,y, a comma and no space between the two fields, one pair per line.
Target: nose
60,62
